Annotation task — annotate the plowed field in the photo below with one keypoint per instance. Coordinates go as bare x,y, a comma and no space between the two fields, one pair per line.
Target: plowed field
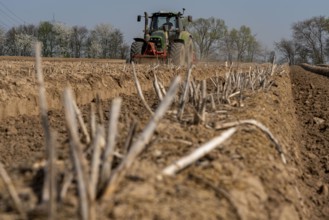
244,178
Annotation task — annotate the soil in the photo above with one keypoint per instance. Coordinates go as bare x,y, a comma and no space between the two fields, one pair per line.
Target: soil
311,94
242,179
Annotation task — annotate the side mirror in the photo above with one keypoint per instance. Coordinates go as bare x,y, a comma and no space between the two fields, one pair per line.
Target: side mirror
189,18
139,18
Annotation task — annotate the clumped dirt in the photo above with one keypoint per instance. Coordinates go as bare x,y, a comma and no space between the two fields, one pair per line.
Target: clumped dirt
243,179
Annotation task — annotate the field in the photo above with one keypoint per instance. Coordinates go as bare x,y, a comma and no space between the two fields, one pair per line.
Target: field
274,166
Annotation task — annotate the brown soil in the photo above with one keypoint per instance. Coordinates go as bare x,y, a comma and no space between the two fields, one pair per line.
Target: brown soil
311,94
243,179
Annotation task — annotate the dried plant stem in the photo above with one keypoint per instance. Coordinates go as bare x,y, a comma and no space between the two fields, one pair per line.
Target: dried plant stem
176,141
95,163
52,178
198,153
99,109
77,154
141,142
111,140
130,136
81,122
94,172
44,115
234,94
68,177
92,120
213,105
162,88
204,101
184,96
261,127
139,90
157,87
12,191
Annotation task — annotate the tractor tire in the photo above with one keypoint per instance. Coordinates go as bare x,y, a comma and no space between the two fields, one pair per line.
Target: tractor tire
189,50
177,53
136,49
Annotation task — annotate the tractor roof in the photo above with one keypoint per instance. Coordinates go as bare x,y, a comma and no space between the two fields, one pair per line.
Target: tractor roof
164,13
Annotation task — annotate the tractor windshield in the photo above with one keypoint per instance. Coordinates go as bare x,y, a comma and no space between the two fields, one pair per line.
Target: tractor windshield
158,22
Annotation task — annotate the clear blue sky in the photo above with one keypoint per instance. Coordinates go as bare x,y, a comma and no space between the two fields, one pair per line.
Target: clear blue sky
270,20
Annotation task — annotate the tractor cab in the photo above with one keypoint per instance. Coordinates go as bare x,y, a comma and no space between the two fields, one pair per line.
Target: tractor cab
164,21
168,23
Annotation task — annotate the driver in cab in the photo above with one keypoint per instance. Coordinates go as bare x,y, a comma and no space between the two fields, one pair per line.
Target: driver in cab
168,23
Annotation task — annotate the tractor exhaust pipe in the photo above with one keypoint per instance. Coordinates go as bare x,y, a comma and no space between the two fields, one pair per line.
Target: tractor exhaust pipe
146,30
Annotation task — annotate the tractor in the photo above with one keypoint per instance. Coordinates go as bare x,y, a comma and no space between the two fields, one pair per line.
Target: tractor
165,40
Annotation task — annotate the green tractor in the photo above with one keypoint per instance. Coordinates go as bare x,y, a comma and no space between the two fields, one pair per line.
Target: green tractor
165,40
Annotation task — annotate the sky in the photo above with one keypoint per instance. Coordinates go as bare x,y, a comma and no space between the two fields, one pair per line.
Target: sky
269,20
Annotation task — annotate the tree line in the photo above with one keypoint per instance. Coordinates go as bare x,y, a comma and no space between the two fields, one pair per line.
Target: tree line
214,40
60,40
309,43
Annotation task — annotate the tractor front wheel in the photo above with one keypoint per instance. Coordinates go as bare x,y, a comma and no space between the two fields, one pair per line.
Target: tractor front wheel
136,49
177,53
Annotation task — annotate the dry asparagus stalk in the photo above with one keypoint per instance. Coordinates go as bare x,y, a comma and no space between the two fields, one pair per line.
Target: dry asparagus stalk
204,101
139,90
184,96
157,87
198,153
92,120
52,178
81,122
77,155
261,127
44,114
12,191
141,142
111,140
130,136
94,172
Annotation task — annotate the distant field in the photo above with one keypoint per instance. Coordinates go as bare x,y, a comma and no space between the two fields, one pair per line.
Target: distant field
62,59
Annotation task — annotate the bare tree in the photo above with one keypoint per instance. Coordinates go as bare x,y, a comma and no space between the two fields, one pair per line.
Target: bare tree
2,41
288,50
242,40
241,44
115,44
10,46
93,47
78,40
226,46
24,44
100,40
46,35
206,35
62,39
311,36
124,51
254,49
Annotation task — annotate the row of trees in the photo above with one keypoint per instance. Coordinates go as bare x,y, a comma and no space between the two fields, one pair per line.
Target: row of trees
60,40
214,40
309,43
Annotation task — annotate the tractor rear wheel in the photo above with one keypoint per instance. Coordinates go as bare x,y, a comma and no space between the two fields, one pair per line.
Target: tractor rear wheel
136,49
177,53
